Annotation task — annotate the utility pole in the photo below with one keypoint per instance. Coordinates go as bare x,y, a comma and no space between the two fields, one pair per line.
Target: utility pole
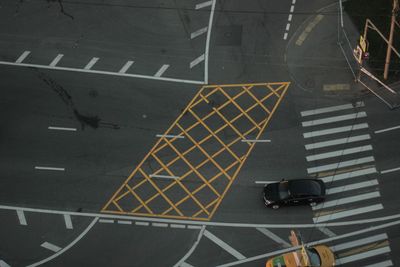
389,48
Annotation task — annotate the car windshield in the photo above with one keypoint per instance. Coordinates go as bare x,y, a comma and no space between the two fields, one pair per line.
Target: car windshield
283,190
313,256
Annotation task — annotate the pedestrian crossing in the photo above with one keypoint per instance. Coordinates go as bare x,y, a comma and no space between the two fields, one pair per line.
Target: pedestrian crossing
339,152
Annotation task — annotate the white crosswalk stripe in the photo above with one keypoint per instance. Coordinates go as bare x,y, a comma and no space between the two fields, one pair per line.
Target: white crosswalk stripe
346,200
364,255
352,116
340,165
359,242
339,153
349,187
348,175
339,141
336,130
347,213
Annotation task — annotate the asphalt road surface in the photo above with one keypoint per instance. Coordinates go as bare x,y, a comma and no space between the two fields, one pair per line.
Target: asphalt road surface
141,133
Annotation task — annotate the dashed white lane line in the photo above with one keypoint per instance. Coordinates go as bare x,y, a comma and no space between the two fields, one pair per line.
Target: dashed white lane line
160,224
124,222
198,32
339,141
352,116
21,217
161,71
387,263
336,130
340,165
49,168
106,221
142,223
197,227
126,66
50,246
224,245
346,200
339,153
4,264
22,57
387,129
359,242
285,35
327,231
91,63
347,175
347,213
56,60
364,255
68,221
179,226
350,187
197,61
274,237
390,170
62,128
204,4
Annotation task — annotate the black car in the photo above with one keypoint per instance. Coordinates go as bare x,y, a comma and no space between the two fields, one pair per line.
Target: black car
294,192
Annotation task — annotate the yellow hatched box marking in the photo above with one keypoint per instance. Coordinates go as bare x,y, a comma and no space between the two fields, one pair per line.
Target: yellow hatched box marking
188,177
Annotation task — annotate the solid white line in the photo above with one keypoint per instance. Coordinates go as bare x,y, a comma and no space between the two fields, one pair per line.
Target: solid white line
91,63
204,4
290,17
350,187
292,9
185,264
359,242
160,224
339,165
195,244
327,231
256,141
55,255
339,153
124,222
103,72
387,263
207,50
347,175
163,176
22,57
347,213
224,245
330,109
68,221
161,71
179,226
198,33
352,116
61,128
197,61
336,130
142,223
49,168
264,182
274,237
346,200
364,255
50,246
169,136
4,264
127,65
106,221
390,170
21,217
339,141
285,36
388,129
56,60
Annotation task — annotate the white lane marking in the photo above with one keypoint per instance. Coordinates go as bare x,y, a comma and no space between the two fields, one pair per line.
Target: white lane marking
127,65
293,2
264,182
22,57
390,170
49,168
351,116
142,223
336,130
21,217
185,264
340,165
387,263
224,245
190,251
91,63
274,237
50,246
347,213
290,17
362,256
347,175
4,264
61,128
207,50
161,71
285,36
163,176
339,153
70,245
350,187
160,224
68,221
197,61
204,4
339,141
56,60
194,227
327,231
330,109
106,221
359,242
387,129
124,222
292,9
140,76
346,200
179,226
169,136
198,32
287,27
256,141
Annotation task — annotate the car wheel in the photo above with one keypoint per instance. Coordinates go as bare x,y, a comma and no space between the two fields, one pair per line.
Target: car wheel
312,204
275,206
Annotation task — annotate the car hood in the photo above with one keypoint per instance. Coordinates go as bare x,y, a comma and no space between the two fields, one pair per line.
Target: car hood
271,192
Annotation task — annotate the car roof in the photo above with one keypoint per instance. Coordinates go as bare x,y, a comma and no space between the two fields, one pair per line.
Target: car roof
304,187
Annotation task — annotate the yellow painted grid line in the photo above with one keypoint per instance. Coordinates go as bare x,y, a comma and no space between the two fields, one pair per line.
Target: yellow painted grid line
247,89
139,199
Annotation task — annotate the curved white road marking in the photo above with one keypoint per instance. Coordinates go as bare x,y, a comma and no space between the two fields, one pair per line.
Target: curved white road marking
187,255
70,245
